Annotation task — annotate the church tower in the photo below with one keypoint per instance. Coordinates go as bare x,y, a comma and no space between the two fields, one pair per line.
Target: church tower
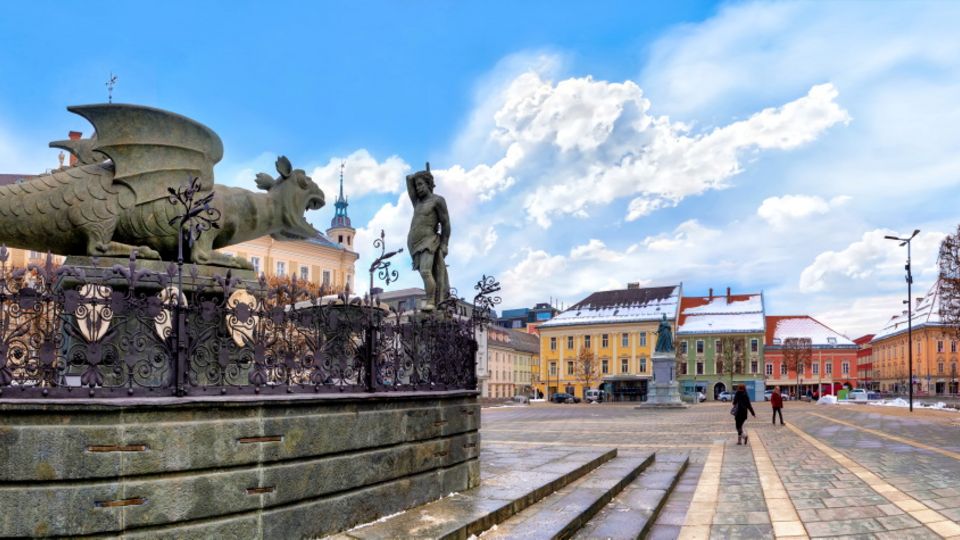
340,230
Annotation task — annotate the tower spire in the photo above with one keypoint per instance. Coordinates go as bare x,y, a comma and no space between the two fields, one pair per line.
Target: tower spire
340,218
340,198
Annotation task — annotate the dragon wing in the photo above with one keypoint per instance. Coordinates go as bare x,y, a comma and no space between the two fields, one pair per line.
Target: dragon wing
152,149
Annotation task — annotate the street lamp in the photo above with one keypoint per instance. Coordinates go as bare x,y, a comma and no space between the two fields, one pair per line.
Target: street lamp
906,242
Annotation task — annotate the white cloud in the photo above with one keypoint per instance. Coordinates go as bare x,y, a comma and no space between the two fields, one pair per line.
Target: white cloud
778,211
594,250
688,234
585,142
362,175
871,258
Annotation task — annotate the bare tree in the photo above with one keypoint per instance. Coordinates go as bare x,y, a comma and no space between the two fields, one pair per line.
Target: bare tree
949,263
732,357
797,353
586,368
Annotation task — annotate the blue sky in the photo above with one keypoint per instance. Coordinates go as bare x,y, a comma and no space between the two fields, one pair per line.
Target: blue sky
762,146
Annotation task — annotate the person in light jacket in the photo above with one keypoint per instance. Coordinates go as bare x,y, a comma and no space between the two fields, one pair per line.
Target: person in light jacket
741,405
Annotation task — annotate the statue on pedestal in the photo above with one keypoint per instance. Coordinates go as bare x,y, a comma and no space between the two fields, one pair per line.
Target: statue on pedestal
664,337
429,236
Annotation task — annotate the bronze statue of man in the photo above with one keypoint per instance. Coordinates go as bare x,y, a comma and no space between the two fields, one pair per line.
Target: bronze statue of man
428,237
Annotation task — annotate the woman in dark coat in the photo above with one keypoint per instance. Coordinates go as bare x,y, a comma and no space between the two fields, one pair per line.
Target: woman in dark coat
741,404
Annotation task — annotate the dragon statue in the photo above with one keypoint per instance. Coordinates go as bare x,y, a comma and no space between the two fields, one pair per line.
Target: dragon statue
115,201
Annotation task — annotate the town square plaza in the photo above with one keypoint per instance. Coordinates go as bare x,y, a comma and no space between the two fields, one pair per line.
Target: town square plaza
832,471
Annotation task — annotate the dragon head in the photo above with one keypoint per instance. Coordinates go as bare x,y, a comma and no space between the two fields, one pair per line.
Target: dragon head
292,193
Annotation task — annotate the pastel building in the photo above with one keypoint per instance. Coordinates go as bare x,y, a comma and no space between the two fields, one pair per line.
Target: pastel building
617,329
935,356
829,363
510,357
720,342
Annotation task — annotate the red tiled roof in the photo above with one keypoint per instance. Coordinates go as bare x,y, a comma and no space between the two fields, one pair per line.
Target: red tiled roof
7,179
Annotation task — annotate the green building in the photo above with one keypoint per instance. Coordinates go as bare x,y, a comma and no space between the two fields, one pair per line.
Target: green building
720,343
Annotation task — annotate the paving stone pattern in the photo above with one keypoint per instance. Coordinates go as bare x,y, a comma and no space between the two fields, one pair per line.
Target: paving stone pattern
880,488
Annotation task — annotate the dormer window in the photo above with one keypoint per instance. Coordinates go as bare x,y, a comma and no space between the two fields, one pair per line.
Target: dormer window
776,341
832,340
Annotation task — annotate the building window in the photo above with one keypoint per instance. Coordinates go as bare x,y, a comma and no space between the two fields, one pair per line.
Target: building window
783,369
625,340
569,342
828,368
643,339
940,368
776,341
754,345
34,254
569,368
553,344
683,347
255,261
699,346
326,278
605,366
643,364
816,368
699,368
769,370
939,345
605,341
718,346
953,346
624,365
586,342
281,268
832,340
553,368
718,366
845,368
305,273
754,365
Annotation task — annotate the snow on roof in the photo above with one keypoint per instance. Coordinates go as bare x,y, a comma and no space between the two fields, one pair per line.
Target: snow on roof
926,312
621,306
779,328
721,314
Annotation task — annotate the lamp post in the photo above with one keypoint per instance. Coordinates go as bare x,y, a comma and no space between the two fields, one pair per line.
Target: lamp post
906,242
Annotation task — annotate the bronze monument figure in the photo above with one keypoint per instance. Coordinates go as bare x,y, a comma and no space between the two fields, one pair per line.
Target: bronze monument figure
428,237
115,201
664,337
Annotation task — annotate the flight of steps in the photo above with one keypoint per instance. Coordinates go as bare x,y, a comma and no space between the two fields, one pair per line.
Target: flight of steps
599,495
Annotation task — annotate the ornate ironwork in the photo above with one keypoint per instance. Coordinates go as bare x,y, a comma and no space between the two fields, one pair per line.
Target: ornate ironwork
68,332
381,265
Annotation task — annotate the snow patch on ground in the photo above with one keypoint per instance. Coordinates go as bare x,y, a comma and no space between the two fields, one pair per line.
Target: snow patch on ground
900,402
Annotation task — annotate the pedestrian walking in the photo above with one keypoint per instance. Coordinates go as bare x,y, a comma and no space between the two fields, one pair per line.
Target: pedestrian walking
776,401
741,405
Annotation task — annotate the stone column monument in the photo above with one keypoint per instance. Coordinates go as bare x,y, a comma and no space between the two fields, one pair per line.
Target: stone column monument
665,391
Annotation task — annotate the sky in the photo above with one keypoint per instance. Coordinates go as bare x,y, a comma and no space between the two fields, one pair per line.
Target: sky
761,146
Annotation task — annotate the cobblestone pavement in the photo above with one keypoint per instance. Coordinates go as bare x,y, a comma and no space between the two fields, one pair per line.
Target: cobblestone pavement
851,471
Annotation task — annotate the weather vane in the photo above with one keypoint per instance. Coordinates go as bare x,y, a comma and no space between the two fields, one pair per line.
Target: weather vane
110,84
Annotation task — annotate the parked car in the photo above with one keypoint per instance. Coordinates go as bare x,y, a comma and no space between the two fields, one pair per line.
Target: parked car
520,398
563,397
857,394
725,396
593,394
767,395
701,397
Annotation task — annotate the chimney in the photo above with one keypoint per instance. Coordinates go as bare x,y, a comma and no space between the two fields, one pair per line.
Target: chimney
74,136
711,293
728,294
633,285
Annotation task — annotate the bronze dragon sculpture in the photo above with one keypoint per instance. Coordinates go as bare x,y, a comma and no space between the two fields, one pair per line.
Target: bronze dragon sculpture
115,201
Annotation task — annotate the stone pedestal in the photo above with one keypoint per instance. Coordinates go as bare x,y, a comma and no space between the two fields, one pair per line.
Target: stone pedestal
665,391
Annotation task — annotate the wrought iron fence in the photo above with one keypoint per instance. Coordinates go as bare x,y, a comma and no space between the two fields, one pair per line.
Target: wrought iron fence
123,331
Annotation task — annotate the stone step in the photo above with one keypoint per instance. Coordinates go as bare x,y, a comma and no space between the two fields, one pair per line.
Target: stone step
496,499
561,514
631,513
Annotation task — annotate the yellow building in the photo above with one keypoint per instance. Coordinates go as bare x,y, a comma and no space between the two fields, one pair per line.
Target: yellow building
606,340
936,368
511,355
